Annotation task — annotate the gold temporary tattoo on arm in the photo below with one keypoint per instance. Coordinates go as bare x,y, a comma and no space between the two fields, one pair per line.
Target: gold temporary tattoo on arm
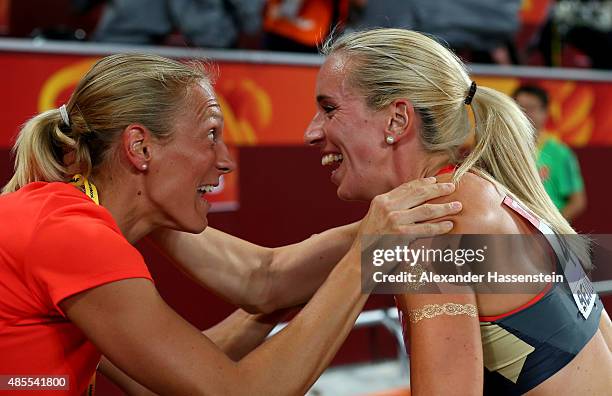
430,311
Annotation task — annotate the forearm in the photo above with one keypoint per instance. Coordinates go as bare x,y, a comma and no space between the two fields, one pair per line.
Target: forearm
256,278
128,385
232,268
242,332
236,336
298,270
315,335
180,361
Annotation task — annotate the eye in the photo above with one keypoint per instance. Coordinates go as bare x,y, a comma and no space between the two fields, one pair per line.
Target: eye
328,110
212,135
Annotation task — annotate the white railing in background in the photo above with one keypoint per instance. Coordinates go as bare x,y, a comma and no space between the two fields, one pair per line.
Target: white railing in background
282,58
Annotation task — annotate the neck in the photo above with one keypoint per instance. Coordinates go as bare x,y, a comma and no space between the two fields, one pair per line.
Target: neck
126,203
421,164
434,164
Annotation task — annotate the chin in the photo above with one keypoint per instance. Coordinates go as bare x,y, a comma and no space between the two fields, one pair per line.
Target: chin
200,228
345,195
194,228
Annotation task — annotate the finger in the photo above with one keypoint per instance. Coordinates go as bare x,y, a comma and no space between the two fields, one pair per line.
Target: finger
426,229
424,181
410,195
427,212
412,185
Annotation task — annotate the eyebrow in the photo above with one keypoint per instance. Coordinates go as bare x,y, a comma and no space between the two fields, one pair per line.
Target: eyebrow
321,98
216,117
214,114
212,111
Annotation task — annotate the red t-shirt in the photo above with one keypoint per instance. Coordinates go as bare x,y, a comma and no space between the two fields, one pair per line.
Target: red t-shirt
54,242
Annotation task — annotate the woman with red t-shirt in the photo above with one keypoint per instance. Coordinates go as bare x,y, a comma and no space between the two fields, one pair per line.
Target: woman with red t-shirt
137,147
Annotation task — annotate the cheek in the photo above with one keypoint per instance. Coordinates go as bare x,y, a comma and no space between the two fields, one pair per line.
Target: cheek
354,136
201,158
173,178
166,189
365,150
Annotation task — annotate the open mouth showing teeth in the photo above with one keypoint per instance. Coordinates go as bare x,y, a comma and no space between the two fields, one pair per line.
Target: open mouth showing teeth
206,189
331,160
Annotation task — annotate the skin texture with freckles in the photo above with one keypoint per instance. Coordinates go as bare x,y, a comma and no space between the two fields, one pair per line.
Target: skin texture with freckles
164,192
196,148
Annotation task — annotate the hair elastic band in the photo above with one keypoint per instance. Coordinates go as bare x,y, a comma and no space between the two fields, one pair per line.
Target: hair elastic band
64,114
471,93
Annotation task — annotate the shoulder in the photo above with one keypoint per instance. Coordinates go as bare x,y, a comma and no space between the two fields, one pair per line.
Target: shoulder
41,204
68,206
482,212
67,219
76,245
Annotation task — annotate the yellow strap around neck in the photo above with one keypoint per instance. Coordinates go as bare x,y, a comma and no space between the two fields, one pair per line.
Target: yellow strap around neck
86,186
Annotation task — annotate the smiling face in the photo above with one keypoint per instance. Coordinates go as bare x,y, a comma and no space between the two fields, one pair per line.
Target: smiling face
350,135
186,166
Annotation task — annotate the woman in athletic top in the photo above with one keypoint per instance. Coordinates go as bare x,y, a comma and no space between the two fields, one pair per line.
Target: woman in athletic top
395,105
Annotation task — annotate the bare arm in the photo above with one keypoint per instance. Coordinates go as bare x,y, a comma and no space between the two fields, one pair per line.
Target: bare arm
254,277
122,380
576,205
130,323
242,332
605,326
445,351
236,336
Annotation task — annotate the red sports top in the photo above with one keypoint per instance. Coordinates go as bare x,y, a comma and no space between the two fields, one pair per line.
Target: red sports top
54,242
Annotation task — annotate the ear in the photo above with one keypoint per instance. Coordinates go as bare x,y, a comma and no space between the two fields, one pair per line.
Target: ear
400,119
137,146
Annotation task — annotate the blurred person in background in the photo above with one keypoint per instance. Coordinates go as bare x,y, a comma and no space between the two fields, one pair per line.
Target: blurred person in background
301,25
557,164
480,31
203,23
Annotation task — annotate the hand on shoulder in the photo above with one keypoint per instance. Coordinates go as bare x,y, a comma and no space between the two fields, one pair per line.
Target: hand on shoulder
482,202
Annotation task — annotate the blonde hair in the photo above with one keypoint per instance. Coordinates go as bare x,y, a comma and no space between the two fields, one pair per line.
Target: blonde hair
389,64
117,91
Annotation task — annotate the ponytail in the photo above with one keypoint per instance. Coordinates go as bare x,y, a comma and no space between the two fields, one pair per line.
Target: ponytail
504,154
387,64
117,91
39,151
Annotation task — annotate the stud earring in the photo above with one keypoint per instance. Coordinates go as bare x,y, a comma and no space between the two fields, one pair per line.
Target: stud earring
144,166
390,140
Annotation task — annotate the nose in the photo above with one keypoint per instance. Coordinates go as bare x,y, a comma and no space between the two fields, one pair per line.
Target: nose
225,163
314,135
